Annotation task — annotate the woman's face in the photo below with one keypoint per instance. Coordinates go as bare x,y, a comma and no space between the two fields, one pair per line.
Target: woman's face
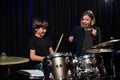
86,21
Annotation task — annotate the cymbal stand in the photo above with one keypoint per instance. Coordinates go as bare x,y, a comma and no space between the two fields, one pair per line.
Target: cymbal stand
7,75
112,63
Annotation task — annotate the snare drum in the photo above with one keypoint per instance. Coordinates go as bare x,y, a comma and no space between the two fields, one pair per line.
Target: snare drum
58,63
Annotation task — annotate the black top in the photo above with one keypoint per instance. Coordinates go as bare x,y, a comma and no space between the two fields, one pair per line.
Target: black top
87,43
83,38
41,45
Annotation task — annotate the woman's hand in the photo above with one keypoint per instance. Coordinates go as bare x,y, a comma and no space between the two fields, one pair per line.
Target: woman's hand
94,31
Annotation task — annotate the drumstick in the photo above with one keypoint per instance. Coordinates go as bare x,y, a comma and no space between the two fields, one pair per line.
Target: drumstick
59,42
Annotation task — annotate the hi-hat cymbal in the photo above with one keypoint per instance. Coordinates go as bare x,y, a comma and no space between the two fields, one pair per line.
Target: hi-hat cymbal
93,51
107,43
10,60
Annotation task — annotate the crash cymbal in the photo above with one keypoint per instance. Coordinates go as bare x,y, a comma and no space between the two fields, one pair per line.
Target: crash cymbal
9,60
107,43
93,51
114,40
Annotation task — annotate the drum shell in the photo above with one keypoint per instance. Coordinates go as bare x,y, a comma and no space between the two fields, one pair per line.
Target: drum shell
58,63
88,62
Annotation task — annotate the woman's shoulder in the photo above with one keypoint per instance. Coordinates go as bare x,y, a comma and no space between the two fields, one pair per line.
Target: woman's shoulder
78,28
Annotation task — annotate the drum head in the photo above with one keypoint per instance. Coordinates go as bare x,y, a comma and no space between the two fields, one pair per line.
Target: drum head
32,74
58,54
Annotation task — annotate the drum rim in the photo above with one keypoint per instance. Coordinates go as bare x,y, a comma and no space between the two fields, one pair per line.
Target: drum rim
58,54
87,56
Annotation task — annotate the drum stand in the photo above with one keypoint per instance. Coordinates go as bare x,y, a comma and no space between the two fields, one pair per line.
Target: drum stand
112,64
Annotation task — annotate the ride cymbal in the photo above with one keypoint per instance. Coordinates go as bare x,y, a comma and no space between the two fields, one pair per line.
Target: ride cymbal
107,43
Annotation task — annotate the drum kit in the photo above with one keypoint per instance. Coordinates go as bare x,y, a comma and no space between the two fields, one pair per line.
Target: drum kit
66,66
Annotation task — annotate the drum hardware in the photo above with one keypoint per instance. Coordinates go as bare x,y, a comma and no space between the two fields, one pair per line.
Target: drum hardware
112,61
51,77
69,75
49,62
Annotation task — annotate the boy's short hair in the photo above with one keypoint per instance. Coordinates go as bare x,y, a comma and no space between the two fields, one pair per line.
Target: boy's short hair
38,23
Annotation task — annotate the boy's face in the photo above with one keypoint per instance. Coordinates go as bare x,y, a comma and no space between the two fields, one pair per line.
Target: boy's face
41,31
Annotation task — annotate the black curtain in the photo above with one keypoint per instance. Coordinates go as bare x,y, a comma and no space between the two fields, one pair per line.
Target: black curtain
16,20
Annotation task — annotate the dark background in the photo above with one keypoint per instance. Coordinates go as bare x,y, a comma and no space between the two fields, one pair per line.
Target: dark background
16,18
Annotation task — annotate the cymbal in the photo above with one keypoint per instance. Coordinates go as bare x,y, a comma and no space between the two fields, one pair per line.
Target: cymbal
9,60
93,51
107,43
